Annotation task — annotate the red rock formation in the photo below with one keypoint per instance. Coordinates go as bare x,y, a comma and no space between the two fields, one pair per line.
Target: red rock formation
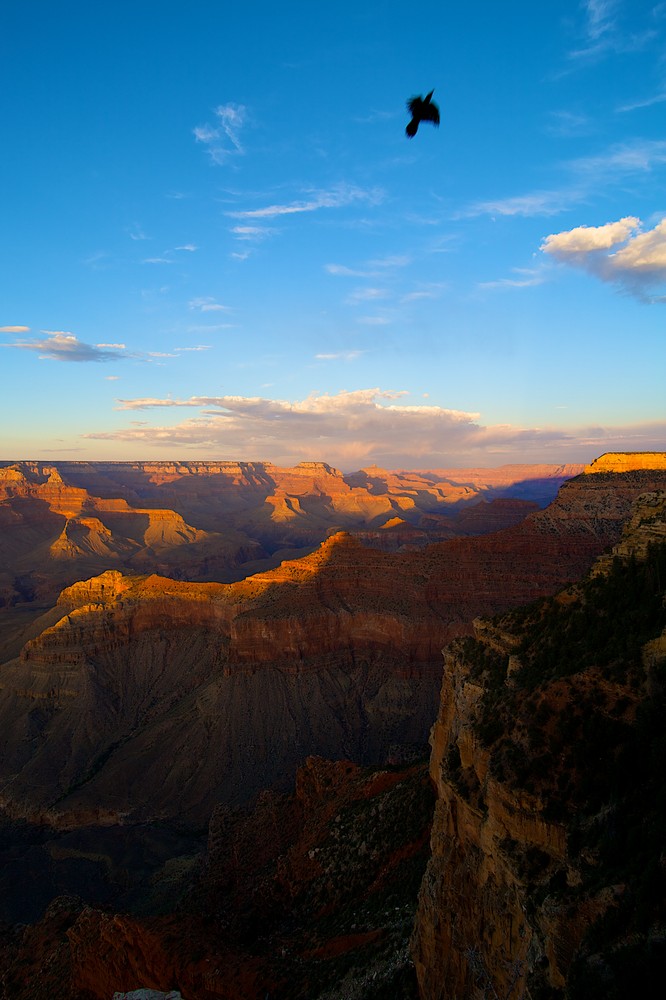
169,695
203,521
524,772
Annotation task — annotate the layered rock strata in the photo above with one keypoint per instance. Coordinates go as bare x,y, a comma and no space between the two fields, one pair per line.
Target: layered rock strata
546,875
142,697
221,521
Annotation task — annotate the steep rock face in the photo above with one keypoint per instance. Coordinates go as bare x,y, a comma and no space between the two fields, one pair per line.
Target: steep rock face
545,872
613,461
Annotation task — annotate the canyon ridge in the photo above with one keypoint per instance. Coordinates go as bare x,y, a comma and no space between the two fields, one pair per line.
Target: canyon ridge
142,701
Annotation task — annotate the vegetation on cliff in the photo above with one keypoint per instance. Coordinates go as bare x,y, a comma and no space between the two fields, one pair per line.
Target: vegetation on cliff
567,699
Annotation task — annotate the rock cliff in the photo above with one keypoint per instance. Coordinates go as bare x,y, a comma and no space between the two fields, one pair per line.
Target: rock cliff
627,461
546,875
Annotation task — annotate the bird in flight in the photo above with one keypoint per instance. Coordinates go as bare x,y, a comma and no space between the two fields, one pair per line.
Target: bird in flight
422,109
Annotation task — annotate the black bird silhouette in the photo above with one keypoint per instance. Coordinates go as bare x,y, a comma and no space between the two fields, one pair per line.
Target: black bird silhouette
422,109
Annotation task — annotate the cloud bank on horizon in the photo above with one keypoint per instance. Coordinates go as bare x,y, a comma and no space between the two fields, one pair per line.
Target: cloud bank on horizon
245,235
364,427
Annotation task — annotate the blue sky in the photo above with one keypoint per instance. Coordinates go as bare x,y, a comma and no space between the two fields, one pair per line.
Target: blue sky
218,243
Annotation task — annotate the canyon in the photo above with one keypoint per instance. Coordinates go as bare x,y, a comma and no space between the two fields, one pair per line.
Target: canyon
222,521
142,711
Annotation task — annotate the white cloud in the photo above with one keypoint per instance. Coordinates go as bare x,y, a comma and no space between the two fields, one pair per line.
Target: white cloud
366,295
618,252
207,304
341,270
378,268
355,428
223,139
373,320
14,329
583,239
646,102
568,123
622,160
535,203
210,327
603,32
189,247
61,346
340,356
253,233
136,233
432,290
337,197
528,279
587,175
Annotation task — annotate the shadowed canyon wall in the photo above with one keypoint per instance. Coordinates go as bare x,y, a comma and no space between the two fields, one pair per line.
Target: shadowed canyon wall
546,875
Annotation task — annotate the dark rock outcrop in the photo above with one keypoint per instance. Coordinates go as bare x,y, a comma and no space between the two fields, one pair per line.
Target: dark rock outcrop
546,876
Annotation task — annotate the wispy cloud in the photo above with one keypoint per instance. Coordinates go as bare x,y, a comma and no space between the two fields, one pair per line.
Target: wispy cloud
135,232
603,33
646,102
14,329
376,268
535,203
431,290
336,197
253,233
366,295
351,429
584,176
525,278
568,123
618,252
167,255
222,139
61,346
620,161
374,320
210,327
207,304
340,356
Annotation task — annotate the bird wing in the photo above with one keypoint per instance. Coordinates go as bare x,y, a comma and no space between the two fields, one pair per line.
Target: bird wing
430,113
414,105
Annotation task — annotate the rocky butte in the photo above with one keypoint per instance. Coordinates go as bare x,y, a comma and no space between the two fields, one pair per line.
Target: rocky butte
138,709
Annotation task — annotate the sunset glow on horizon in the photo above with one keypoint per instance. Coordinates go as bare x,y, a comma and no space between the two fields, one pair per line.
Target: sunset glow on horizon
219,243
